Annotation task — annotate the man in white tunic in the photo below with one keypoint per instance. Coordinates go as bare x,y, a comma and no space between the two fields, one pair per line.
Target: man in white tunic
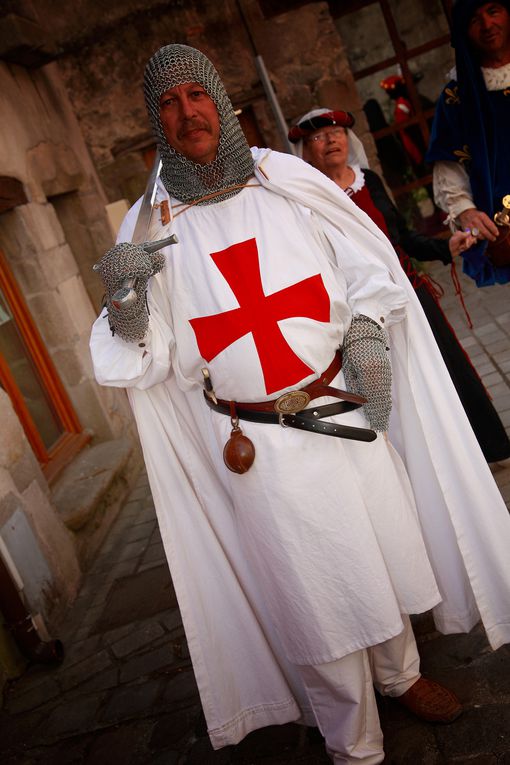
296,550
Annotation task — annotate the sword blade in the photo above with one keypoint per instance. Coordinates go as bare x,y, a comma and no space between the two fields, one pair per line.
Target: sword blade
141,232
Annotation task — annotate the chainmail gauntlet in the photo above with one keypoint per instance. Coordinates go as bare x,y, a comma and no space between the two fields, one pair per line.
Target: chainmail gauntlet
367,369
122,262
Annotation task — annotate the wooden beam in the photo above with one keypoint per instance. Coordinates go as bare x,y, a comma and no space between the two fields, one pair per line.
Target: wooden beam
407,55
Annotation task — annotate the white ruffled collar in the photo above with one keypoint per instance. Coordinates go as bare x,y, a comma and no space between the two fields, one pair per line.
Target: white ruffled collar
358,182
496,79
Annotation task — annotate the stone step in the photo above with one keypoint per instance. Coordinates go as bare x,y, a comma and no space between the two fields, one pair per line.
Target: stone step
91,490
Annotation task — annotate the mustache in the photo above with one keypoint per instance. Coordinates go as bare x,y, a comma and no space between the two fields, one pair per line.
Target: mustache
193,124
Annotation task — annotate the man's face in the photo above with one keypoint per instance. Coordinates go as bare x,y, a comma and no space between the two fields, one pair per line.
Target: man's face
489,31
190,122
327,149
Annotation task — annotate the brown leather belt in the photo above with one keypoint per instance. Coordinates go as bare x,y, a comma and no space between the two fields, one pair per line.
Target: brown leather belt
289,409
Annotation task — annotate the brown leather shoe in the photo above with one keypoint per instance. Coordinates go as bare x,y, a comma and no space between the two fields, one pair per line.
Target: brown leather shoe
431,702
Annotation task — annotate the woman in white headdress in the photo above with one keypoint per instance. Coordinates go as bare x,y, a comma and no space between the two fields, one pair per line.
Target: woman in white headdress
325,140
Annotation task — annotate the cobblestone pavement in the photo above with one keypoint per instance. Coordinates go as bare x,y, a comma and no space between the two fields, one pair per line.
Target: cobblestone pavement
126,692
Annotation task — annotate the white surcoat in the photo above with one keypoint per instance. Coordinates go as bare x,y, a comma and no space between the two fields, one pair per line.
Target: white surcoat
316,550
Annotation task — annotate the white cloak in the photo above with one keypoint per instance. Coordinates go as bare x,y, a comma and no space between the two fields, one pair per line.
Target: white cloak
243,627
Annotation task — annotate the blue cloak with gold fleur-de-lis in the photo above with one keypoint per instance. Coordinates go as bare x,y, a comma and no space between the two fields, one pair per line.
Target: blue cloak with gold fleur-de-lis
472,126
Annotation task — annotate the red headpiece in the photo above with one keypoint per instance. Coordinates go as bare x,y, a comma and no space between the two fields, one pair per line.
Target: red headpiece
309,125
391,82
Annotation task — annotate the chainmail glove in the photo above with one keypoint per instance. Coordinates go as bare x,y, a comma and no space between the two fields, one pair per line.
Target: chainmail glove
367,369
124,262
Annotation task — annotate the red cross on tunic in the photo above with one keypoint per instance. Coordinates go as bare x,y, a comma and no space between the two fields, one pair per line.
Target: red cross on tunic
259,314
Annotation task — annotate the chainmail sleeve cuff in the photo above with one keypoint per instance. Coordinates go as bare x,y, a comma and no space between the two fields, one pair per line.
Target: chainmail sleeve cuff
367,369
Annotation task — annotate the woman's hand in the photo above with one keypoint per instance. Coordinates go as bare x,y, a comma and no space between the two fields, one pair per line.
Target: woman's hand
459,242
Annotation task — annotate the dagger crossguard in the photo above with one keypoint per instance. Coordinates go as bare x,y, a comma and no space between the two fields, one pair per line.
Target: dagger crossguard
125,270
126,296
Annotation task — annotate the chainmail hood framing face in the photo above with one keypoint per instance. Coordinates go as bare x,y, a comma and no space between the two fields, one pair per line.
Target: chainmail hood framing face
184,179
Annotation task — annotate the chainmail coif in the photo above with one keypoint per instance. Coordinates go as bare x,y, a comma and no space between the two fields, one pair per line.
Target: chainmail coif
183,179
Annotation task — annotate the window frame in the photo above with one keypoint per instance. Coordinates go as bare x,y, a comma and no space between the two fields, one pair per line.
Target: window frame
74,438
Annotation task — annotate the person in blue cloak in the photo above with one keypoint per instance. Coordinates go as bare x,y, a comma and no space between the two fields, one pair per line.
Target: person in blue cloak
469,143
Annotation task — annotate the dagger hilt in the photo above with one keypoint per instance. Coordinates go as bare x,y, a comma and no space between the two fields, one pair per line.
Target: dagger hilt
126,295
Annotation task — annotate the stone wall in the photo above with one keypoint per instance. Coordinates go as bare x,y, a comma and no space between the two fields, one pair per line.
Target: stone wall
103,51
43,148
308,63
103,71
50,243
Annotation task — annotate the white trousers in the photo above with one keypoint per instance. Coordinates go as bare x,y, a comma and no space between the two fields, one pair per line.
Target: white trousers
342,696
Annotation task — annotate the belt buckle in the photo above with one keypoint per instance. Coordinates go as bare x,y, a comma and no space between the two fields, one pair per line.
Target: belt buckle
292,402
